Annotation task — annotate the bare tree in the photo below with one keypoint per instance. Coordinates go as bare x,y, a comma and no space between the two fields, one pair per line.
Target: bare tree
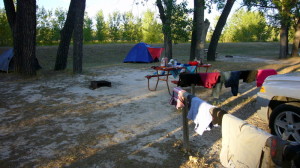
165,12
211,54
23,25
78,37
65,38
198,25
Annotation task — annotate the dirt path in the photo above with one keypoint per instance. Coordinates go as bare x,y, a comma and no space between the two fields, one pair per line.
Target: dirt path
59,121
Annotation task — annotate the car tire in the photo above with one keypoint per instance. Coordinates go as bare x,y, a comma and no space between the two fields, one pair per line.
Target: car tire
285,122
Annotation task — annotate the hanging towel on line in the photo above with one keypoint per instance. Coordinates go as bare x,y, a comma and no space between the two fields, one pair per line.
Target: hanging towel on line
200,114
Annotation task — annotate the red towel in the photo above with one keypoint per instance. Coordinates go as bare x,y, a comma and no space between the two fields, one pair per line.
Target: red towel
208,80
262,74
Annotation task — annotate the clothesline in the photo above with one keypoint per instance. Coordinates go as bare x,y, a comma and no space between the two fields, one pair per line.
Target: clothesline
230,79
242,144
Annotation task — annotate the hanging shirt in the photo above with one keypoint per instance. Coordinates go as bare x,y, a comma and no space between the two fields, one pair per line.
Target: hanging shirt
200,114
248,76
209,80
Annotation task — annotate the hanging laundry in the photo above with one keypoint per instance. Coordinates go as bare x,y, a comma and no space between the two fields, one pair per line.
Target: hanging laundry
200,114
229,79
262,74
177,98
242,143
217,114
248,76
208,80
187,79
175,72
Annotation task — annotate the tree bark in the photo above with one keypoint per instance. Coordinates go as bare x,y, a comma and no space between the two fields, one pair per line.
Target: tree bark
296,43
25,33
10,13
65,38
198,24
165,16
78,37
283,51
211,54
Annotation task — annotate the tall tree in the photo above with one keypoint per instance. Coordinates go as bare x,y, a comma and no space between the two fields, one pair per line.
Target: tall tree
151,28
78,37
181,23
246,26
101,28
127,26
285,10
211,54
296,43
58,22
114,26
23,24
87,28
6,38
65,38
165,12
198,22
44,27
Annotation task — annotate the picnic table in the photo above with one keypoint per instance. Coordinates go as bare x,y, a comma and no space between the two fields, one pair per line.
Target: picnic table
167,72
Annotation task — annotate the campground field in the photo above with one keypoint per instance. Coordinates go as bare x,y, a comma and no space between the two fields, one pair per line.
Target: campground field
56,120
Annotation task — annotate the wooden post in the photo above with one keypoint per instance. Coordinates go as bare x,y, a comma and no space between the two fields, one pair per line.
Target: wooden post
193,89
185,126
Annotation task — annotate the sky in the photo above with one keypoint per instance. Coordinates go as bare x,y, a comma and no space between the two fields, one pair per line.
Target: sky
110,6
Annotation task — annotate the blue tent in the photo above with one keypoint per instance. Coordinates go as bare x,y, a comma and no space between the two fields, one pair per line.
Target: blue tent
5,59
142,52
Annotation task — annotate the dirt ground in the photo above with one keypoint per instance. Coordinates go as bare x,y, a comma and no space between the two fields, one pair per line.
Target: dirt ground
59,121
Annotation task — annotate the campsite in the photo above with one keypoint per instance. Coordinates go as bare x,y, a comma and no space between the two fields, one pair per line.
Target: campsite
159,83
56,120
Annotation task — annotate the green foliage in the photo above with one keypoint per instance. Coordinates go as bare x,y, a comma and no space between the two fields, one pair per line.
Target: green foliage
44,27
151,28
127,28
49,26
246,27
181,24
5,31
87,28
101,27
58,22
114,25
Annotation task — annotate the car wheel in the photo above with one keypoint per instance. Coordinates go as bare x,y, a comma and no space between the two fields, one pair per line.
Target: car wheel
285,122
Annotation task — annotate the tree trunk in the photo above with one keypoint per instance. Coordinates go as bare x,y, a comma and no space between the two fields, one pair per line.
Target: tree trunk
211,54
193,43
78,37
25,33
65,38
296,43
23,27
198,22
199,26
283,41
165,16
10,13
203,36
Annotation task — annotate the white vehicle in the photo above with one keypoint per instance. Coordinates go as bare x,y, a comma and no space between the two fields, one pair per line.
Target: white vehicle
278,102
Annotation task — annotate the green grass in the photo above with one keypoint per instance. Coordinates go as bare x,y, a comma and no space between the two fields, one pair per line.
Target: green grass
101,55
